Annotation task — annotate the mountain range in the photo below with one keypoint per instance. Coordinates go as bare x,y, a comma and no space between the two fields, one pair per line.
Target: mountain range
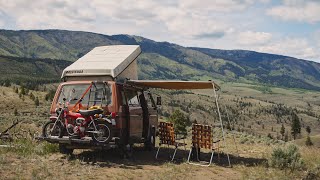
44,53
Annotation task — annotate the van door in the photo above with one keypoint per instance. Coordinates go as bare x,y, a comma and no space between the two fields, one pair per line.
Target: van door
136,114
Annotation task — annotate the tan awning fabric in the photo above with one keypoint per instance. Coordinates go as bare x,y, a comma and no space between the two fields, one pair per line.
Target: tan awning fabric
174,84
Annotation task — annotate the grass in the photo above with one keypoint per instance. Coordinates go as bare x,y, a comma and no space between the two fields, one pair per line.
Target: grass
30,159
27,147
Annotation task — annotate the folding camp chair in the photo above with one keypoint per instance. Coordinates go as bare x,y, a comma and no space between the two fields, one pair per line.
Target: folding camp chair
202,138
168,137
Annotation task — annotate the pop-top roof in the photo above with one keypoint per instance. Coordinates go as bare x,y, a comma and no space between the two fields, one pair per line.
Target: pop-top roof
104,61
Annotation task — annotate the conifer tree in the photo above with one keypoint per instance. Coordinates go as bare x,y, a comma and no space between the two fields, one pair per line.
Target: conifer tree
308,141
180,122
282,131
36,101
295,126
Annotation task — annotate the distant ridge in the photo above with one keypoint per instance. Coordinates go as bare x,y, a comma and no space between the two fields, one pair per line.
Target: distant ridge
164,60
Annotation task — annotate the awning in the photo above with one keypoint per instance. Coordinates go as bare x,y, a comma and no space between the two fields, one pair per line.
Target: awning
174,84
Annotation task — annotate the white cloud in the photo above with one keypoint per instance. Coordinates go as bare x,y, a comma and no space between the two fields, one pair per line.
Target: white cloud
179,18
296,47
216,5
253,38
297,10
49,14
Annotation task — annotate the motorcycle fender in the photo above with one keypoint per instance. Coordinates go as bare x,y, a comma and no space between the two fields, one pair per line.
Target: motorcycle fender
53,118
108,120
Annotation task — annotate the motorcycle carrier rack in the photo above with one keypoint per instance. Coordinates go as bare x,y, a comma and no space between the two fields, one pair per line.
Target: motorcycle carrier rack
86,143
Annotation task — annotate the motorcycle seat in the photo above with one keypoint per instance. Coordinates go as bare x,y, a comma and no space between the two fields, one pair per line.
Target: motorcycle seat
90,112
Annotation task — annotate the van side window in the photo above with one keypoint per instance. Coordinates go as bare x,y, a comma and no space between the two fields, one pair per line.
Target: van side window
132,97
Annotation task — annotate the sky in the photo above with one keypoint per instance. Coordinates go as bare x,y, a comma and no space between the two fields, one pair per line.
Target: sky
287,27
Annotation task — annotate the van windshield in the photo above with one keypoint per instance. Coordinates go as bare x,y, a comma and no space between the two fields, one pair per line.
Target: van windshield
98,94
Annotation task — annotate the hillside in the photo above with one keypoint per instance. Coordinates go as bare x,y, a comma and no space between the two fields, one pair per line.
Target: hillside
163,60
29,70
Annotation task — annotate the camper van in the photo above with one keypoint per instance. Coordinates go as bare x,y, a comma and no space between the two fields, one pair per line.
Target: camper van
98,81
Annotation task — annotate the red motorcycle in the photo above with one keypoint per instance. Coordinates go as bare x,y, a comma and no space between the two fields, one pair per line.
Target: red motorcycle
81,124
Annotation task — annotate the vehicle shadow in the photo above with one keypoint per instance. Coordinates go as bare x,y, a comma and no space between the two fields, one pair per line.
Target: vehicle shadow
141,157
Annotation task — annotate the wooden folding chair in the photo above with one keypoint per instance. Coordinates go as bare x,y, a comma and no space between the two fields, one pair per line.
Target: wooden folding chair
168,137
202,138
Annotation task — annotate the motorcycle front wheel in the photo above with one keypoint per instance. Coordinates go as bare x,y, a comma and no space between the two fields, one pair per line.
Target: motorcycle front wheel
103,134
49,129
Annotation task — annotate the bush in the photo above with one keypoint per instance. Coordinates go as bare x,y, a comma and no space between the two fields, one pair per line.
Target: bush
180,122
308,141
286,157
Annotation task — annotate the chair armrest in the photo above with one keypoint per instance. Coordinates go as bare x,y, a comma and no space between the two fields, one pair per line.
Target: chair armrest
216,141
180,136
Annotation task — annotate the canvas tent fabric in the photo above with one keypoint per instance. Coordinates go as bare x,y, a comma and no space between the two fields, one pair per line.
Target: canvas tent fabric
104,61
174,84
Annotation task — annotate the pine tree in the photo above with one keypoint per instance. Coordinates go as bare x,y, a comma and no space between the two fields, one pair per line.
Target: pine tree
36,101
308,141
15,112
282,131
7,83
295,126
308,129
22,90
180,122
286,137
32,96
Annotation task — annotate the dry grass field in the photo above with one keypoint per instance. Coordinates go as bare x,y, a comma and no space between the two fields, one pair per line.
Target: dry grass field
26,158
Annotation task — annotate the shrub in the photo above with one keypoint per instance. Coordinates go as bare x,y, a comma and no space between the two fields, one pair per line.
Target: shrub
180,121
286,157
308,141
36,101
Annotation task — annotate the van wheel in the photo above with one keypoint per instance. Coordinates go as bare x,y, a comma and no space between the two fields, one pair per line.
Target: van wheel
151,142
64,150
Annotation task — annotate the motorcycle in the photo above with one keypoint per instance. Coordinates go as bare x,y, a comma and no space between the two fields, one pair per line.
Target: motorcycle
80,124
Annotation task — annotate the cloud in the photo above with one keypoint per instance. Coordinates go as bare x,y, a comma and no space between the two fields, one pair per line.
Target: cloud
297,10
49,14
253,38
297,47
216,5
213,35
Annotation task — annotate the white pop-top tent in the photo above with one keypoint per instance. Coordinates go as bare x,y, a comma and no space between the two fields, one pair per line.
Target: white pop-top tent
108,61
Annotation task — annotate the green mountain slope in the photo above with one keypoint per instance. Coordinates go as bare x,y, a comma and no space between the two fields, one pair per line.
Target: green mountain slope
163,60
18,70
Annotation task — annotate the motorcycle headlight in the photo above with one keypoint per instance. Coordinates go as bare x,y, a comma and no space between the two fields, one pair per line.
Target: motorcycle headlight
58,110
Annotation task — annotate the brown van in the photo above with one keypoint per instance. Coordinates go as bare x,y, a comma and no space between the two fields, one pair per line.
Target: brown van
134,109
92,91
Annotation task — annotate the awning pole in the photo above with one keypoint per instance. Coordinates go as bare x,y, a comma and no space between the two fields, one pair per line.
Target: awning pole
219,114
232,130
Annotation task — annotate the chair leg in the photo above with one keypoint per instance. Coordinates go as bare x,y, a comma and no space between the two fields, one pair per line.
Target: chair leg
211,158
158,151
198,152
188,161
174,154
